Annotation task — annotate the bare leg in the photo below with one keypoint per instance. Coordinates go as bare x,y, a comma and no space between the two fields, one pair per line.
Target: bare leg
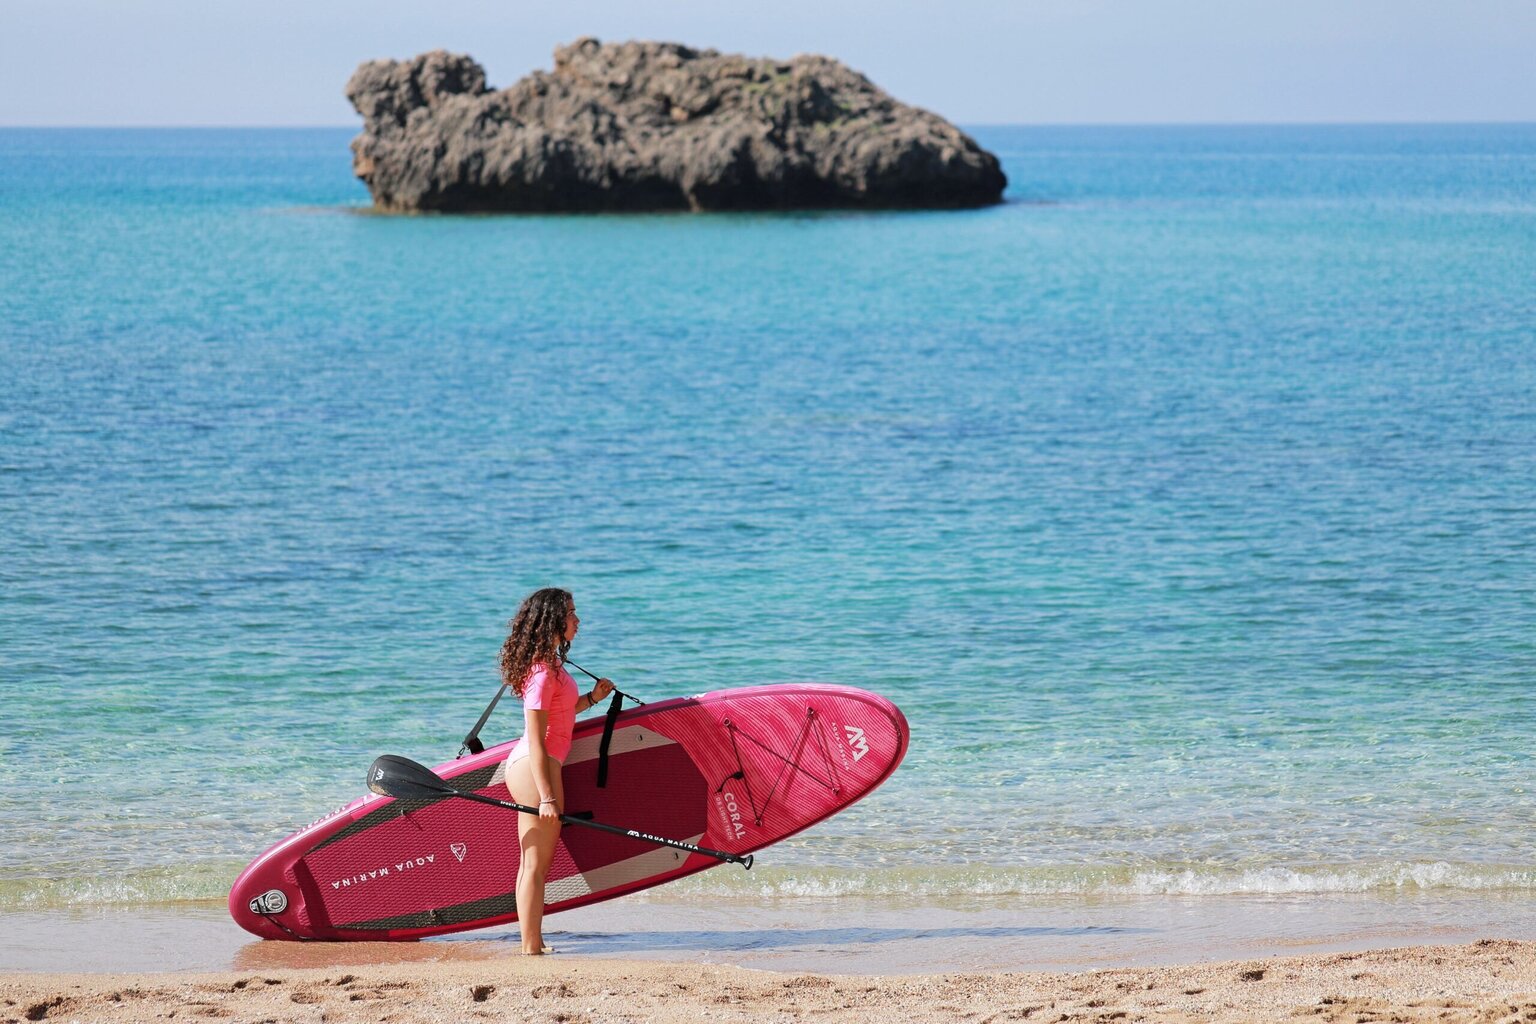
536,842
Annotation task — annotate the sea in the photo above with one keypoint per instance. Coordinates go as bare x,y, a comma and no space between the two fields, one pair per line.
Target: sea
1185,503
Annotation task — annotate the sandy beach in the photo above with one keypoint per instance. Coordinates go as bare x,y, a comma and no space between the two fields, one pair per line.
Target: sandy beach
1490,980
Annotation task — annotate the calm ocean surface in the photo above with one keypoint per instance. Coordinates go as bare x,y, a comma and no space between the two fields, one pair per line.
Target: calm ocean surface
1186,503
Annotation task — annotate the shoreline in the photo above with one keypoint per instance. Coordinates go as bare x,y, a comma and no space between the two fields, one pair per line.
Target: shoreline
890,935
1490,980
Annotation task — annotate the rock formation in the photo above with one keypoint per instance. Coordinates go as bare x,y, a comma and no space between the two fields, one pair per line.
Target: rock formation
654,126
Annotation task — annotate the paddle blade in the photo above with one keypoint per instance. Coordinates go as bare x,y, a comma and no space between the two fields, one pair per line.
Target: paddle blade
400,777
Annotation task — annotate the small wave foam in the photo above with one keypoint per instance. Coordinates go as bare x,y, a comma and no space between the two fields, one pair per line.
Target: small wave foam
1147,880
211,881
115,888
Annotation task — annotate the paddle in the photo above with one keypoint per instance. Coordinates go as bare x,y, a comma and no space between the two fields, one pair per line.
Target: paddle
404,779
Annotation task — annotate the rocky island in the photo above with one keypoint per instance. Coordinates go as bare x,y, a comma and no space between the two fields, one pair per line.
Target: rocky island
654,126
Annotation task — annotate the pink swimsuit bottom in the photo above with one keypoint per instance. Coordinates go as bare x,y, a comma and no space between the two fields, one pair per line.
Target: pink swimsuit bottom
520,751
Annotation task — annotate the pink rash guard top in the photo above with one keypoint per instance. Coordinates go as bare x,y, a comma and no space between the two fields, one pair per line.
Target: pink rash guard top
551,689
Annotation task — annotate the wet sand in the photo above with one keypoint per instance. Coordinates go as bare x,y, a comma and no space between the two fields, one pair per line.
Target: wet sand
1487,981
847,935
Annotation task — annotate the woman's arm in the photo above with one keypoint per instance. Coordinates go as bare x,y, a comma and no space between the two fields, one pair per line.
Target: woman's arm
535,719
588,701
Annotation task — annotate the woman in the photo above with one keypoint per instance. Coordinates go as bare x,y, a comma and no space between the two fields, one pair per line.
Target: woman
532,664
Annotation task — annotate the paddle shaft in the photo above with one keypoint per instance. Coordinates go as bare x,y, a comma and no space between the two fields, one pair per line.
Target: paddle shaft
676,844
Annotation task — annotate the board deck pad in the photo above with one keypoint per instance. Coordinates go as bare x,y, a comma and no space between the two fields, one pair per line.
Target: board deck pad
735,770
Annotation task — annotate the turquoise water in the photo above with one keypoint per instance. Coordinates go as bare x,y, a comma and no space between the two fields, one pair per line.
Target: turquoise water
1185,503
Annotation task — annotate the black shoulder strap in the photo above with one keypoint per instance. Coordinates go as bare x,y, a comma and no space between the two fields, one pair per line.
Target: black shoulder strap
614,707
472,741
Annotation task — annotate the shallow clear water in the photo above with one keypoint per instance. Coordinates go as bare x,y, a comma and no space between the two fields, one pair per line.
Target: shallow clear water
1185,503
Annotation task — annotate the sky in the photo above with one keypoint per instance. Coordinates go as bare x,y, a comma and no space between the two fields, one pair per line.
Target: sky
284,62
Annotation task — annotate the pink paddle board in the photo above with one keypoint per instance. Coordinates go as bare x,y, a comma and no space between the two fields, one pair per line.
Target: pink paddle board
735,770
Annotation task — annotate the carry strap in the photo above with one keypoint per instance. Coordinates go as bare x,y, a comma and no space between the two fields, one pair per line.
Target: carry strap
473,745
472,741
602,751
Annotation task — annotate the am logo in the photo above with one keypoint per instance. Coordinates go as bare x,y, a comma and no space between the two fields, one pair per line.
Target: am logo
856,741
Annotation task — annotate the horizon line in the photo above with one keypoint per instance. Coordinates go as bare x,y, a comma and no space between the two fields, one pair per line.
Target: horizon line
205,126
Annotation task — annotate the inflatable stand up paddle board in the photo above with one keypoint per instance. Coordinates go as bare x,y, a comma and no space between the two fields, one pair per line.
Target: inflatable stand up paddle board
733,771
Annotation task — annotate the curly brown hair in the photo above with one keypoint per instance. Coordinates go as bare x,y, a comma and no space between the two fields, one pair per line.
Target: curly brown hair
535,634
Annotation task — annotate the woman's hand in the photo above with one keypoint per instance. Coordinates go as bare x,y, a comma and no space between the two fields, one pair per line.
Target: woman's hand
549,810
603,688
